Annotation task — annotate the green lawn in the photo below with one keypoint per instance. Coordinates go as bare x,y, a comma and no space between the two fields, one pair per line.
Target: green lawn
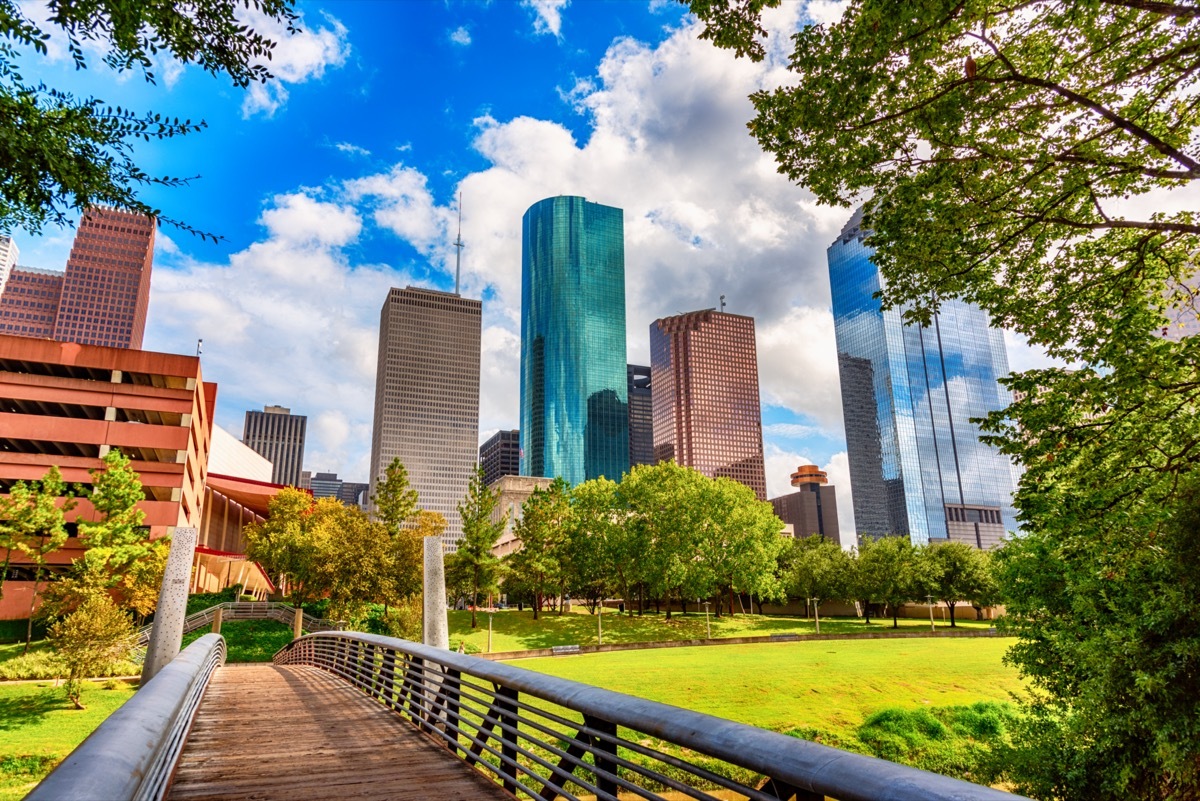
248,640
827,690
518,631
39,727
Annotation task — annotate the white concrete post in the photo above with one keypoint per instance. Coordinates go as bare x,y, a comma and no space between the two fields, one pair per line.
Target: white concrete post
167,634
298,624
436,629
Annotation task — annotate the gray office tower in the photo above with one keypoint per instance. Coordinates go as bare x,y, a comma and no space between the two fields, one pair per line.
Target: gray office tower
427,397
909,393
501,456
278,436
641,415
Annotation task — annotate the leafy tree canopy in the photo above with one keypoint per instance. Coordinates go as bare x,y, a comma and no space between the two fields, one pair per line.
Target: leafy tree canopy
62,152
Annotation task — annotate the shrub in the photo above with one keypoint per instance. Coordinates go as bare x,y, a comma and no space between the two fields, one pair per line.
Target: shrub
89,639
954,740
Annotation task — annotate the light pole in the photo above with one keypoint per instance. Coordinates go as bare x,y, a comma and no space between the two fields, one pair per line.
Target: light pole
600,624
929,599
491,608
707,627
817,613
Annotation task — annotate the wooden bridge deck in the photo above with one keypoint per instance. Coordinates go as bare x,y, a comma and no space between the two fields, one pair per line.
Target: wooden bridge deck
265,732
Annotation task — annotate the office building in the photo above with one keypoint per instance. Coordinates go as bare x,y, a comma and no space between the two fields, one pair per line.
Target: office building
812,511
704,370
29,303
909,393
67,405
501,456
9,254
104,295
511,494
427,397
278,435
328,485
574,401
641,415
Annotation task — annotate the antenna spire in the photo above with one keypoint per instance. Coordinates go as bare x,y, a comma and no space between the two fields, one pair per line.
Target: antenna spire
458,244
722,304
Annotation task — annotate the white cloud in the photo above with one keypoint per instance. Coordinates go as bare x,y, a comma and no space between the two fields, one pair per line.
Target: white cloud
352,150
790,430
825,12
547,15
460,36
297,58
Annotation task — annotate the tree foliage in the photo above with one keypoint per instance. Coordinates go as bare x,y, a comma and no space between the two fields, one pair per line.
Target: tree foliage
1000,145
63,152
89,639
474,558
538,566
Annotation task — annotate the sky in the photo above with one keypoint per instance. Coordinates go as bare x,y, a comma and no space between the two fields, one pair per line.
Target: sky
340,178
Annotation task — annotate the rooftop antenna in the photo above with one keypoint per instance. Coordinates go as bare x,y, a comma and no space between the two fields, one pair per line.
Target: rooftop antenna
199,346
458,244
722,304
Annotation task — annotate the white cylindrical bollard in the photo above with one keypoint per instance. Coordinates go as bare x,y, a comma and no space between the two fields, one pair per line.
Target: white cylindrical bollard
436,628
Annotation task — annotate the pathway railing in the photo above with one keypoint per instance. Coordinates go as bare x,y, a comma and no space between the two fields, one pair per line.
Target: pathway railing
546,738
239,610
132,754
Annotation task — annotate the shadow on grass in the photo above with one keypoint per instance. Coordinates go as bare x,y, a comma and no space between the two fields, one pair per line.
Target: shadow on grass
27,710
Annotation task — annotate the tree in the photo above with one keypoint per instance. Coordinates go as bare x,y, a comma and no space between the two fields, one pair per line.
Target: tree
474,556
64,152
593,552
32,523
820,572
356,562
740,541
545,516
292,542
91,638
999,144
956,573
395,503
886,571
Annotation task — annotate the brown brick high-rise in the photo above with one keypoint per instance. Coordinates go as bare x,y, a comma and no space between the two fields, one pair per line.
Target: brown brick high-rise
704,371
106,289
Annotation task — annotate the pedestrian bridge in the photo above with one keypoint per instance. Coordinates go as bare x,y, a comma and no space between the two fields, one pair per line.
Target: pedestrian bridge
356,716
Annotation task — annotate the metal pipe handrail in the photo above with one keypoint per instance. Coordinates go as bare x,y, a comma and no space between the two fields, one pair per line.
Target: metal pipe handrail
244,610
443,693
132,754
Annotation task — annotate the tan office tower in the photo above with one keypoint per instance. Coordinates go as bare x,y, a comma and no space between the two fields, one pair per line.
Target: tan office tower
704,371
106,287
427,397
278,436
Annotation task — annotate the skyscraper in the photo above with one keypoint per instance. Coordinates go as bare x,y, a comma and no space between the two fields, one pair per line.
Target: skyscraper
704,370
909,392
812,512
500,456
106,288
29,303
9,254
641,415
278,435
427,397
574,401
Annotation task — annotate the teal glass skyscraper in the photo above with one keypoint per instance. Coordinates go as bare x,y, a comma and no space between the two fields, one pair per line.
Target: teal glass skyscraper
909,396
574,397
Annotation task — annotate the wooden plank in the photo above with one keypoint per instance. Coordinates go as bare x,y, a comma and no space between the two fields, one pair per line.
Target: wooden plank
266,732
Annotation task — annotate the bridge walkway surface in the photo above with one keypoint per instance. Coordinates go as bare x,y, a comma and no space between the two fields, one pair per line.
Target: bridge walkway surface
298,732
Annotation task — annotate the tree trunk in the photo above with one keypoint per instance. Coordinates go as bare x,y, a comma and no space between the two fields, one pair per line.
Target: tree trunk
682,604
474,596
951,605
37,580
867,612
895,614
731,600
537,604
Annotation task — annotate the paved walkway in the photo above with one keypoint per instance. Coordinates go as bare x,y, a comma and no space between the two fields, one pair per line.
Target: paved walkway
266,732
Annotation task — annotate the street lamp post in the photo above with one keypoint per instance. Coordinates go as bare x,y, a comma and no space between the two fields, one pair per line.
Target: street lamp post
600,624
817,613
929,598
707,627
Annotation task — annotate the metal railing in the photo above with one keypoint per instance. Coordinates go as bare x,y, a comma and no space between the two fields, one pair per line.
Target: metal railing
243,610
132,754
546,738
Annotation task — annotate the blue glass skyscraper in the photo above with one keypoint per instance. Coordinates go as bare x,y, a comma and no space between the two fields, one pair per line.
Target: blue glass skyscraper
909,392
574,397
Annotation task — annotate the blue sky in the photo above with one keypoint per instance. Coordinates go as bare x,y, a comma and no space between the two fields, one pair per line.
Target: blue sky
340,178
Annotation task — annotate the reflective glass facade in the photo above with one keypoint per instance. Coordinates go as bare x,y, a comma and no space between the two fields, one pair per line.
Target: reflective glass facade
574,399
908,394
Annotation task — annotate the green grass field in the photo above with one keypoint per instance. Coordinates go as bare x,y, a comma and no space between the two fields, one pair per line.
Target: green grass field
39,727
518,631
248,640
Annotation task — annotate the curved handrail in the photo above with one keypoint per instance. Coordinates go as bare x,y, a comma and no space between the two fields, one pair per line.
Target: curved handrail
398,673
132,754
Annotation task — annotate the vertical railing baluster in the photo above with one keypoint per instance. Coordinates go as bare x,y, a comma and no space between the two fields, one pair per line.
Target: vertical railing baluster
453,685
506,705
603,751
387,676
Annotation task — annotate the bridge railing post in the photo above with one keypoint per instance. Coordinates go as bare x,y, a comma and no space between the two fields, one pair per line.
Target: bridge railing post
506,705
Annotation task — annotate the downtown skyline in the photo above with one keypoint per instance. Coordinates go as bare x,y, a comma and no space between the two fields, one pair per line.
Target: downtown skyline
507,103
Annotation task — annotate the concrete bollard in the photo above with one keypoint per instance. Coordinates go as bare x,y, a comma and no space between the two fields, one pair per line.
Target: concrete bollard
216,629
436,629
167,634
298,624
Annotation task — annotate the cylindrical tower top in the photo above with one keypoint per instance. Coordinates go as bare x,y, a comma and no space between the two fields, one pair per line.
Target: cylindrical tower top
809,474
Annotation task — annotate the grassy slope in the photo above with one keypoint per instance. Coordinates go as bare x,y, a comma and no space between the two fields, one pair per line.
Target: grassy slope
830,686
249,640
517,631
36,720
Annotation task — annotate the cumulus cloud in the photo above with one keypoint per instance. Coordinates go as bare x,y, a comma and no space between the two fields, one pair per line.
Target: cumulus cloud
297,58
460,36
547,15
